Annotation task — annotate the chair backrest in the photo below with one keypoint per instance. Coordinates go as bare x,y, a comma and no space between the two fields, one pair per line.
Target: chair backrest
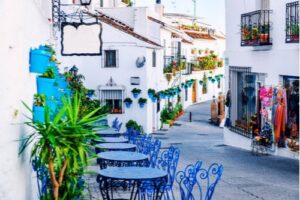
119,126
128,132
195,182
168,162
115,123
154,152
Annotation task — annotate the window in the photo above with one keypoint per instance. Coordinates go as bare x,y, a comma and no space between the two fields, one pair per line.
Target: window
292,22
154,58
110,58
113,99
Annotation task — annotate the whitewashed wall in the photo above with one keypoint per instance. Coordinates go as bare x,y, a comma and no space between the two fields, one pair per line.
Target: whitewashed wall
24,24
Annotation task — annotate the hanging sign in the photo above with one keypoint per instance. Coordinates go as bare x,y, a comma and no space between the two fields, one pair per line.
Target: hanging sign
81,39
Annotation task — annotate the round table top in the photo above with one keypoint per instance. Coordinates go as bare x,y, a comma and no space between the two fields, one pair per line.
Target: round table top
108,131
132,173
112,140
115,146
122,156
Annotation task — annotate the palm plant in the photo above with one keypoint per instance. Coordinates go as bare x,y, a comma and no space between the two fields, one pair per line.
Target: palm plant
62,146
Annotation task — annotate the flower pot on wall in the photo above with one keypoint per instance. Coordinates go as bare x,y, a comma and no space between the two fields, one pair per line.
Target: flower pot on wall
38,114
142,105
136,95
127,104
61,82
154,99
46,86
39,60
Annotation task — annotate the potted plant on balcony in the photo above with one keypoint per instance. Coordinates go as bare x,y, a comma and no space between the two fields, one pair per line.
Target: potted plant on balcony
151,92
264,34
255,34
142,102
46,83
128,102
295,32
136,92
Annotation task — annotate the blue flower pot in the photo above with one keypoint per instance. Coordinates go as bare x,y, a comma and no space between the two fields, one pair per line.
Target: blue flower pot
46,86
142,105
38,114
136,95
154,99
127,104
38,60
162,96
150,95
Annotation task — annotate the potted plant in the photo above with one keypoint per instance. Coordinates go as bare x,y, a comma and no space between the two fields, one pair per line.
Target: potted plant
264,33
162,94
142,102
46,83
220,63
154,98
134,125
62,149
151,92
255,34
128,102
38,111
39,59
136,92
193,51
295,32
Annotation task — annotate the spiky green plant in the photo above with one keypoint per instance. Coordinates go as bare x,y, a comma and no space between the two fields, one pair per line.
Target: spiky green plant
63,146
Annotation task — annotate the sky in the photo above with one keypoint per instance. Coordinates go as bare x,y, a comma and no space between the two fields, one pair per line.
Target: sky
210,11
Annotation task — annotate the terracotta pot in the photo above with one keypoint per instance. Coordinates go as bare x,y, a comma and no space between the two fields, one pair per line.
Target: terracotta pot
295,37
264,38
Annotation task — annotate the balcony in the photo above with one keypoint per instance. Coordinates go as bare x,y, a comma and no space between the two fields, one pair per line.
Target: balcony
255,28
292,22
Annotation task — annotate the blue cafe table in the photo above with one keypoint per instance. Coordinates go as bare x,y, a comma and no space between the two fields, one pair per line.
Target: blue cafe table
122,159
114,147
112,140
108,133
135,178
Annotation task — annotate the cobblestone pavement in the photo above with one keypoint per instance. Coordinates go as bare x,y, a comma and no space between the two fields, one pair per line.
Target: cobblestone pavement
245,177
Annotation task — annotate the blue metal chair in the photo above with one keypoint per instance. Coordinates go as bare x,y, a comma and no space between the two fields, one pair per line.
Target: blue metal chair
154,151
167,162
133,136
115,123
119,126
195,182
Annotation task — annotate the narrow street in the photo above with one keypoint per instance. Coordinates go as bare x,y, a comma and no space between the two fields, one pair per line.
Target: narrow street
245,176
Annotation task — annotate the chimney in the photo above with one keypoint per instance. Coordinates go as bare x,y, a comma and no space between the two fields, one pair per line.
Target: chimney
159,8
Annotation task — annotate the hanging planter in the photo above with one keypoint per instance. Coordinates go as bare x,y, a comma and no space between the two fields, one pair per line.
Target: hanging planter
142,102
128,102
209,78
39,60
213,80
201,82
136,92
151,93
162,95
46,83
186,87
182,85
38,110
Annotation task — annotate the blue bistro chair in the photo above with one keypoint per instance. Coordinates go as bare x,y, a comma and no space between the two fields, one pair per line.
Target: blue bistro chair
115,123
143,142
195,182
154,151
128,133
119,126
167,162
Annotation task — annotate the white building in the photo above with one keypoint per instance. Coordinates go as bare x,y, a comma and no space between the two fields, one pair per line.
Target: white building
132,33
261,50
25,24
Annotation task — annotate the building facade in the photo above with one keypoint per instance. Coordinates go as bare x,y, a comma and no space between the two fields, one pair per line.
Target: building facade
262,66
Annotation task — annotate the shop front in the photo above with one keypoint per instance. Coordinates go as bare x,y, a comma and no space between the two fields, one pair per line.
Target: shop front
266,114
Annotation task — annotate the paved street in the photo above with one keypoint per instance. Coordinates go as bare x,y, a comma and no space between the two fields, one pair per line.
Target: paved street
245,177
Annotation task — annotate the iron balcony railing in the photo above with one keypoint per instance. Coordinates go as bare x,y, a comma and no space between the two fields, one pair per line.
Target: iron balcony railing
255,28
292,22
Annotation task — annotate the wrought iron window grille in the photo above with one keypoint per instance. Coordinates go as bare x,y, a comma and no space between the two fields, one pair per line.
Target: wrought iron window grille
255,28
292,22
